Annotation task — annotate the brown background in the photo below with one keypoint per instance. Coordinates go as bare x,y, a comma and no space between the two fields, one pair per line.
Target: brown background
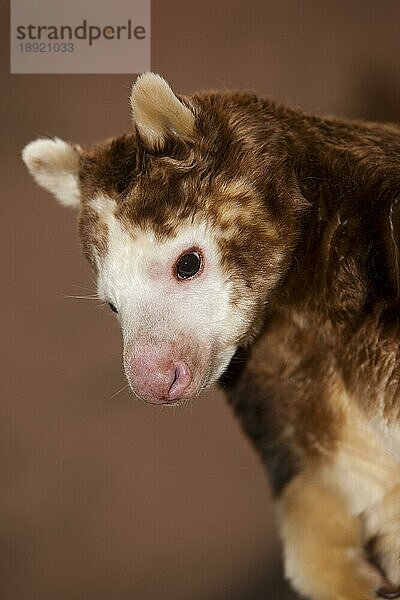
102,497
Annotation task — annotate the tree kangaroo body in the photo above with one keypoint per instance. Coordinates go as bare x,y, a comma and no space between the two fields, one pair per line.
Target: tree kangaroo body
242,241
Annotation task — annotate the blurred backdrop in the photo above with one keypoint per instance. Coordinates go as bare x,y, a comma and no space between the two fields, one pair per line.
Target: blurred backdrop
103,497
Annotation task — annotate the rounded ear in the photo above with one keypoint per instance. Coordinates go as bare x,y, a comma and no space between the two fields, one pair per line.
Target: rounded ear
157,112
54,165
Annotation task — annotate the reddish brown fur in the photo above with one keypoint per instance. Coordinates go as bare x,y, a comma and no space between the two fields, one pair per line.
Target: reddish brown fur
316,243
328,178
325,194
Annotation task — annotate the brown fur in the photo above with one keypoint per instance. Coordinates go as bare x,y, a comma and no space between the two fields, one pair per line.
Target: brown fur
94,235
307,216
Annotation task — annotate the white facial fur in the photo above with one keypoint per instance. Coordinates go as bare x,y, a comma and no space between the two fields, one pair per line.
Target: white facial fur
195,316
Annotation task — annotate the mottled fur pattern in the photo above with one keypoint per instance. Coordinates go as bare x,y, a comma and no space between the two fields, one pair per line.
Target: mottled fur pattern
304,215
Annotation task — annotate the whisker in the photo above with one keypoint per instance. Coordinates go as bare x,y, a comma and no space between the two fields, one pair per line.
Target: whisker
94,297
119,391
82,287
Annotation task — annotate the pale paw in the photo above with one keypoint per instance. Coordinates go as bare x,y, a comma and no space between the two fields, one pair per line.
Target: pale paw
347,576
388,592
384,550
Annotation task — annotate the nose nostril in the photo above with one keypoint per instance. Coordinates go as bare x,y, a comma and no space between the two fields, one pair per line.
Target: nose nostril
175,378
181,380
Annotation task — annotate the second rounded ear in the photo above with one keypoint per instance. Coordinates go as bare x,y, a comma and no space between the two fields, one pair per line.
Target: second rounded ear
54,164
157,112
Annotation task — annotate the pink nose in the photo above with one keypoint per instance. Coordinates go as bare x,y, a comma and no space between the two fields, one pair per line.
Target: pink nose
156,376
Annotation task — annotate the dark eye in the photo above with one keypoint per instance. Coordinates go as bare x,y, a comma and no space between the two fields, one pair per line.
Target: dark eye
112,307
188,265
